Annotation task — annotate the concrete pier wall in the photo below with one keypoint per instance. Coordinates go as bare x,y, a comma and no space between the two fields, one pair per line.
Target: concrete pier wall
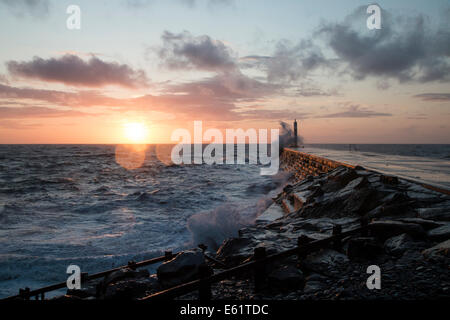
303,164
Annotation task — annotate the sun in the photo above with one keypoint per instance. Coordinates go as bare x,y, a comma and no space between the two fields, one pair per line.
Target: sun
135,132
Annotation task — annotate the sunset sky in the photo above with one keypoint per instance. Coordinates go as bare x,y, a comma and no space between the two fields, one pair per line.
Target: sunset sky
232,64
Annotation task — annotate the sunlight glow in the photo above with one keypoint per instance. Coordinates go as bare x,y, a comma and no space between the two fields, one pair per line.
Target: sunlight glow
136,132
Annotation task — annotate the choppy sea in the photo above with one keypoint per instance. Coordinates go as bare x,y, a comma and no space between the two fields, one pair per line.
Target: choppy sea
82,204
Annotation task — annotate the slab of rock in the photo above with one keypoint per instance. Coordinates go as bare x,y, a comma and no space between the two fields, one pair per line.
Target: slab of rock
235,250
441,249
363,247
389,228
271,214
441,213
287,277
426,224
183,268
440,233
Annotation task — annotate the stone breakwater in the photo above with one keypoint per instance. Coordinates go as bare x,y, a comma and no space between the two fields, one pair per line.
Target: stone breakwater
408,239
302,165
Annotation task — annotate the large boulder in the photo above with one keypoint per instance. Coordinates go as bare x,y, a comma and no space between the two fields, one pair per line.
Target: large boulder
286,277
326,261
183,268
440,233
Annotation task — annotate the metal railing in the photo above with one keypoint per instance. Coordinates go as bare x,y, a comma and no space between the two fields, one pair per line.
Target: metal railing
26,293
260,260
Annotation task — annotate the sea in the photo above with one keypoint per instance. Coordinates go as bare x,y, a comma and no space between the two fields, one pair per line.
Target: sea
100,206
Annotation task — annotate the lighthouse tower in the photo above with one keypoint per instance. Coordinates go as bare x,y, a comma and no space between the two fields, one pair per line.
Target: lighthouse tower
295,133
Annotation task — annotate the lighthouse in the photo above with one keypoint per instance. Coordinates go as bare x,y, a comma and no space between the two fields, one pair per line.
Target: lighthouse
295,133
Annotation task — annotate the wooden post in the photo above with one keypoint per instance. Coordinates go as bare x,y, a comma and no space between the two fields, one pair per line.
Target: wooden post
204,290
337,230
168,255
132,265
84,277
25,293
260,269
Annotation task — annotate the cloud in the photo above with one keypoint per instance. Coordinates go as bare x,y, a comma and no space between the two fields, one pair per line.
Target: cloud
34,8
138,4
405,48
60,98
184,51
437,97
72,70
37,112
289,62
13,124
354,111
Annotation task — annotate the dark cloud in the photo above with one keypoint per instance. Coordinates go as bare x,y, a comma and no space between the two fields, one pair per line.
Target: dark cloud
72,70
289,61
307,90
405,48
184,51
438,97
21,8
354,111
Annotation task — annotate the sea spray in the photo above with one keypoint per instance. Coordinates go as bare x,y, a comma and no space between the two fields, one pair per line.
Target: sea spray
213,227
287,137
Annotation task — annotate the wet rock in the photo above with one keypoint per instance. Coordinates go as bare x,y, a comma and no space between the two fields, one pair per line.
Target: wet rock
124,273
363,247
314,286
183,268
440,234
131,288
426,224
286,277
397,245
235,250
441,212
441,249
325,261
272,213
389,228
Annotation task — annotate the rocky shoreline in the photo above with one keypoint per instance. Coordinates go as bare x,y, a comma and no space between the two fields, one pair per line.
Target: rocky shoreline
408,239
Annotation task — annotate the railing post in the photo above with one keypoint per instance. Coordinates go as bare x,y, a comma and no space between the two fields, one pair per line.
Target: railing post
337,230
204,290
84,277
25,293
260,269
132,265
168,255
